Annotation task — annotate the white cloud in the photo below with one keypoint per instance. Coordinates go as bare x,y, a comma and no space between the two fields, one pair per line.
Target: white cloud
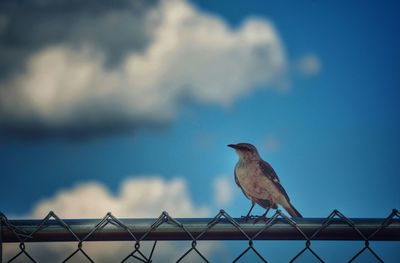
309,65
138,197
223,190
191,56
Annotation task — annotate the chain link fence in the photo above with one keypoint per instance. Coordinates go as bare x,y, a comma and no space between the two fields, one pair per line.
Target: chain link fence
222,227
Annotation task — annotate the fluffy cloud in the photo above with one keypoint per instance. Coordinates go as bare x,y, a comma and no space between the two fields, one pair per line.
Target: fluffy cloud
138,197
115,70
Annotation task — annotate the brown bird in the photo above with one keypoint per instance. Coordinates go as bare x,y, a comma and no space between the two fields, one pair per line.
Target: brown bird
259,182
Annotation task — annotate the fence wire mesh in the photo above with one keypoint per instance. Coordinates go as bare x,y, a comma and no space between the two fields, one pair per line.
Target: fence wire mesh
14,231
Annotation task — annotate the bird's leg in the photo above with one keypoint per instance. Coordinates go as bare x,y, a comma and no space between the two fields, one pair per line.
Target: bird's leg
264,216
251,208
266,212
247,217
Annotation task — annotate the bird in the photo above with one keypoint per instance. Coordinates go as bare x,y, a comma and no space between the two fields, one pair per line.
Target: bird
259,182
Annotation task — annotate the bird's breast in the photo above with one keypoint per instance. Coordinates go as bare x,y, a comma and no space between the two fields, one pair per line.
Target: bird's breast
255,183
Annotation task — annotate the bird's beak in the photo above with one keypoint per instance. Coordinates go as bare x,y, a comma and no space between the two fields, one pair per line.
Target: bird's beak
234,146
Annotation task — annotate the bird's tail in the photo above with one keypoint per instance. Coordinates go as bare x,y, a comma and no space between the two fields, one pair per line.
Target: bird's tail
292,211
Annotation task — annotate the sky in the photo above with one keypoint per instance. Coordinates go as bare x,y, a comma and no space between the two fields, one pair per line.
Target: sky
133,103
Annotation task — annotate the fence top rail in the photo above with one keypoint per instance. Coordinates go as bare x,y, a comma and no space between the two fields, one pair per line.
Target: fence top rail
110,228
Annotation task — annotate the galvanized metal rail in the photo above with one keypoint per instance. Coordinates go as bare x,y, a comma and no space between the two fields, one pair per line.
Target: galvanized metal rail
222,227
281,230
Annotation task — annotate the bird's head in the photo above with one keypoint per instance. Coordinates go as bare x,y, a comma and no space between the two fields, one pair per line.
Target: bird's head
245,151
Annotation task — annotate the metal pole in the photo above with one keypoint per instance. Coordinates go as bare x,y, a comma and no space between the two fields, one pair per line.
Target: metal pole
223,230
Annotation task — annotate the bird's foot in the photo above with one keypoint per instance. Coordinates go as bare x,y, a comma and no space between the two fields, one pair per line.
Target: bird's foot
248,217
261,218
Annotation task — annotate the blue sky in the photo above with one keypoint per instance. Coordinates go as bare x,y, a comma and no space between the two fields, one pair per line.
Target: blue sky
330,129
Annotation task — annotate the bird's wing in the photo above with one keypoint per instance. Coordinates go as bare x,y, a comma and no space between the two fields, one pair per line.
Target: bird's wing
270,173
